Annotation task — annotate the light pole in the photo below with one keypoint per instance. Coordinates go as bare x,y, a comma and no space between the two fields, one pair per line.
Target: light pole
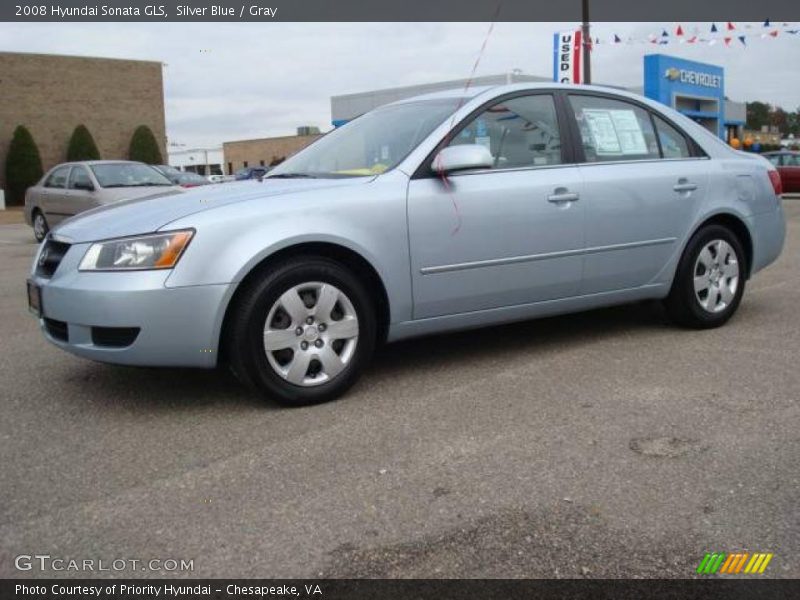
587,43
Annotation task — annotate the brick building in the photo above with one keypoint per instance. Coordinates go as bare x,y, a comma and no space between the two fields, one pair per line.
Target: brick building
52,94
264,151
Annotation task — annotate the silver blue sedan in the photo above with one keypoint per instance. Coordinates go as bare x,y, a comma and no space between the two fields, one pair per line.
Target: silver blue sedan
448,211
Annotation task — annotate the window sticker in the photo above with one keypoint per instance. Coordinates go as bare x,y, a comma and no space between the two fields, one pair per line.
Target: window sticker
629,132
601,126
615,131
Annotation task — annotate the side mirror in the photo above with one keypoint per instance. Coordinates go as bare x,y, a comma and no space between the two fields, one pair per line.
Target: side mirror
462,157
86,186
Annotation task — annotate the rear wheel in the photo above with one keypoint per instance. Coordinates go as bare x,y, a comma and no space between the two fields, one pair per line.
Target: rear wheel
40,227
303,333
710,279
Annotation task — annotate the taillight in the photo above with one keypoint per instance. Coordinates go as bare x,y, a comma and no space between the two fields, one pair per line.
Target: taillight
775,180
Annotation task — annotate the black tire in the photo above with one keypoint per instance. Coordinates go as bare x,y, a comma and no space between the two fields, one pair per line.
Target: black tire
37,214
682,305
244,341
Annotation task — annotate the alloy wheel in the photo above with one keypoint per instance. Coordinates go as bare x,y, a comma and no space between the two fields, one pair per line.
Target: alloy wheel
39,226
716,276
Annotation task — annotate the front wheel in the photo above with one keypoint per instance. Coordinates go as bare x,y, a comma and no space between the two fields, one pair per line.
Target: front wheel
709,281
303,333
40,227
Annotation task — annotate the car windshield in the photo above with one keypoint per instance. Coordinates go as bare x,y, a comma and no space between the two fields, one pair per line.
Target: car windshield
371,144
114,175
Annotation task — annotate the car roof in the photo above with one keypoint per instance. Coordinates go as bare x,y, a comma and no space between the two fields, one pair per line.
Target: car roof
470,92
89,163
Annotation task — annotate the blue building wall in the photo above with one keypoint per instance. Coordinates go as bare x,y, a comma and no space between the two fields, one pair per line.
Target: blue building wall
688,86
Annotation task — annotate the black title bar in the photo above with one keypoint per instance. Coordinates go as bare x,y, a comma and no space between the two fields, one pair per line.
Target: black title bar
395,10
405,589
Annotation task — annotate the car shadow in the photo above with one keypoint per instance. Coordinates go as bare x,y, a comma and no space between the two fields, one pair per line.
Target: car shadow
527,336
170,389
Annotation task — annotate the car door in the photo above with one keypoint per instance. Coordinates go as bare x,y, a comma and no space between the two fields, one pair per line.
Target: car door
81,192
643,182
53,195
501,236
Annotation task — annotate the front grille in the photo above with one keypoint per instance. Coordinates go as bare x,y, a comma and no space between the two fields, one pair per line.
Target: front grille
114,337
56,329
50,257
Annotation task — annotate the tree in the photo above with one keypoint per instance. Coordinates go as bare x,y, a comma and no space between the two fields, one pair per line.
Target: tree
779,118
82,146
144,147
23,165
757,115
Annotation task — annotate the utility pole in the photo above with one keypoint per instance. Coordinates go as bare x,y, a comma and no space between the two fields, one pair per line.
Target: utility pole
587,43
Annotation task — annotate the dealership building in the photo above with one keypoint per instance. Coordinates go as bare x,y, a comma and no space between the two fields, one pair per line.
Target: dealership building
695,89
51,95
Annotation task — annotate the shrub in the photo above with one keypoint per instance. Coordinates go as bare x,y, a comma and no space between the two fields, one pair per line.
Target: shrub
144,147
82,146
23,166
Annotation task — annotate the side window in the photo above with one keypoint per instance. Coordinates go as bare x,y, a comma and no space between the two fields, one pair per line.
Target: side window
775,159
791,160
58,178
673,142
614,130
79,179
521,132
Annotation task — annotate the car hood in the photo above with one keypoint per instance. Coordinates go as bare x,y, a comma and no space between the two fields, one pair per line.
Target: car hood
144,215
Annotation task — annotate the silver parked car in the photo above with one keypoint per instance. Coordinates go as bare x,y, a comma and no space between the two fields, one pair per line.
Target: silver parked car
72,188
442,212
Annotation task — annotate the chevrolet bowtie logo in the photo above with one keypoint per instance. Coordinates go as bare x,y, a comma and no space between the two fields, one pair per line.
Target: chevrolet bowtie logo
672,74
734,563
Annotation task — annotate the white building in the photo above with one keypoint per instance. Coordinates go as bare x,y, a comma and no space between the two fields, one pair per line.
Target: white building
204,161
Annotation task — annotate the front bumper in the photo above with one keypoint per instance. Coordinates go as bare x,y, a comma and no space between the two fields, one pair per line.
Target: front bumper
178,326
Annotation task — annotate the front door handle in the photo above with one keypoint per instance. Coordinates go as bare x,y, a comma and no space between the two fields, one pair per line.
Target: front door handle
684,185
562,196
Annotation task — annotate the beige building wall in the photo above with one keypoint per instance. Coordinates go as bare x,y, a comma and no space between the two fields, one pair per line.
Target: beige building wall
252,153
52,94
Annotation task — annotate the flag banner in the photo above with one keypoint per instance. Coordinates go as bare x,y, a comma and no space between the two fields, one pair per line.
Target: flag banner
567,48
684,34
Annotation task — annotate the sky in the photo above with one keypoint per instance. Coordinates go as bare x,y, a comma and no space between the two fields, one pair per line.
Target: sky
229,81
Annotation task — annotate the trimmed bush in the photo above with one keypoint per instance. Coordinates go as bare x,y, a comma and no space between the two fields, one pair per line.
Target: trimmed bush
23,166
144,147
82,146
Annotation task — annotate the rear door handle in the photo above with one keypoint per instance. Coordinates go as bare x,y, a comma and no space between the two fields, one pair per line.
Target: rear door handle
562,196
684,185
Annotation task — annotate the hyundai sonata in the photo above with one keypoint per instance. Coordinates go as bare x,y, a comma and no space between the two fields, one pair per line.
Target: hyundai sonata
448,211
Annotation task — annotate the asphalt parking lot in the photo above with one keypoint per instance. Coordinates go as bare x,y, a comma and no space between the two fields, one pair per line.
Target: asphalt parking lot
605,444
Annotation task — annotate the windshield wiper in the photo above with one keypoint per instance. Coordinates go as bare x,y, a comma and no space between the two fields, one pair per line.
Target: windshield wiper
291,176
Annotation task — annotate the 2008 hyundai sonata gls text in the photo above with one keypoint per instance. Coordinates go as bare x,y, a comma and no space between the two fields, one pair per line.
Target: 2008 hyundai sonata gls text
447,211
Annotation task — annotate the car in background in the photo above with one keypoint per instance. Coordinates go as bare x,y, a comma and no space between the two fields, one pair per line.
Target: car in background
71,188
251,173
220,178
449,211
185,179
788,164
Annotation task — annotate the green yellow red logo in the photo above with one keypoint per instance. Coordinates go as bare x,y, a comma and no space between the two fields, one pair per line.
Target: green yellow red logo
734,563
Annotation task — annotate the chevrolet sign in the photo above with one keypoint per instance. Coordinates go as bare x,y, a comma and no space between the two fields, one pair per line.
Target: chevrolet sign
693,77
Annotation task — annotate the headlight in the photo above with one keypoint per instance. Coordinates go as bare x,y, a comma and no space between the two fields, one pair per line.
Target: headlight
157,251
